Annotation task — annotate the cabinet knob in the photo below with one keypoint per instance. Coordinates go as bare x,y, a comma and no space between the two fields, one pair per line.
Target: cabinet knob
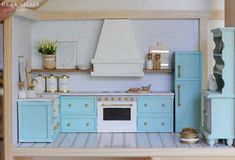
162,124
146,104
70,105
163,104
145,123
68,124
86,105
87,124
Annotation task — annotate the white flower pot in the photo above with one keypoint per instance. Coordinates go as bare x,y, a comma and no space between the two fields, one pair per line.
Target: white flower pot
49,61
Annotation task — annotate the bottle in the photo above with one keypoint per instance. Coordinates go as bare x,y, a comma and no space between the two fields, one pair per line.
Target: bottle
149,63
22,89
157,62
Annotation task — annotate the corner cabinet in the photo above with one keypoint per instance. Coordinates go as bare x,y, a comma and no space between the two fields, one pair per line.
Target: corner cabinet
218,107
39,121
187,90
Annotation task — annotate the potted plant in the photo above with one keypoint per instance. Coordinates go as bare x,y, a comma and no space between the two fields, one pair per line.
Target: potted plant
48,50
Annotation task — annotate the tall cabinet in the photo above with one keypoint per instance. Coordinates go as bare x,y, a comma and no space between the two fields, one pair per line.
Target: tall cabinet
187,90
218,107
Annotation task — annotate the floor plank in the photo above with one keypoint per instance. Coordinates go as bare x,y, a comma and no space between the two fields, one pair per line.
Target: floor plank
130,140
81,140
142,140
69,140
106,140
155,141
118,140
93,140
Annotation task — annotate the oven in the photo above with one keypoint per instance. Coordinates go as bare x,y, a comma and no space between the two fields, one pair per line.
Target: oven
116,114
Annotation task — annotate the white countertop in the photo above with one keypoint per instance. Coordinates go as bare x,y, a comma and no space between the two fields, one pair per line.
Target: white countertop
110,94
39,98
51,96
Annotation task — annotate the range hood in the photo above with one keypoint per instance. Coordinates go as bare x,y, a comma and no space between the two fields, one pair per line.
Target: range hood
117,53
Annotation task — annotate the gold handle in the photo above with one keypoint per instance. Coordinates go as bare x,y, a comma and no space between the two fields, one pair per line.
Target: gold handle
179,71
146,104
145,123
70,105
116,105
86,105
179,95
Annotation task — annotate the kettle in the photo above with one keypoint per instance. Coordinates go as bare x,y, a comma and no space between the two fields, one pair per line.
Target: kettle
39,84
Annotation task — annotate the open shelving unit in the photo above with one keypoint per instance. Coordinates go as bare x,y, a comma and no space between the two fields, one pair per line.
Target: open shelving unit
78,70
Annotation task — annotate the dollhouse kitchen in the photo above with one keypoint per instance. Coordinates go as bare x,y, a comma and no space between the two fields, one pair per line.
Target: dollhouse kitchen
110,84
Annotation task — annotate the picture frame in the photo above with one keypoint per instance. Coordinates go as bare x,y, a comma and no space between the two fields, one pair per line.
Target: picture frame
66,56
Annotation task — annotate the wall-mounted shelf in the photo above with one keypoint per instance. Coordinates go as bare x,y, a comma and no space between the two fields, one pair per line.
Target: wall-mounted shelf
159,71
58,70
77,70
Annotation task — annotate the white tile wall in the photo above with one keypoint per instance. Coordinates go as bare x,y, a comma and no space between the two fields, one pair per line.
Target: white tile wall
21,42
178,35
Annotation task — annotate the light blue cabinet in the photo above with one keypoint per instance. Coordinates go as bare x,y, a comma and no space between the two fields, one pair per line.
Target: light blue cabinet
37,121
219,106
187,90
78,114
155,114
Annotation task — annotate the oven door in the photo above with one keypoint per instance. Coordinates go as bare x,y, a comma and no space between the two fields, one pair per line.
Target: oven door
116,116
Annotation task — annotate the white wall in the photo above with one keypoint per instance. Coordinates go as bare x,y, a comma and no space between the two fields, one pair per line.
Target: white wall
1,46
21,42
75,5
178,35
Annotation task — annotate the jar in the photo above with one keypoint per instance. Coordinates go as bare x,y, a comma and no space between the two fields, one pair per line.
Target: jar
149,63
63,83
51,83
39,84
157,62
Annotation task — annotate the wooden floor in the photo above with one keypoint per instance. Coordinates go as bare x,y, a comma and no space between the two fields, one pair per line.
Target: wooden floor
116,140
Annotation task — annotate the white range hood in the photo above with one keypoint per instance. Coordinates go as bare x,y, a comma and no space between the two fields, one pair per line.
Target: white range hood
117,53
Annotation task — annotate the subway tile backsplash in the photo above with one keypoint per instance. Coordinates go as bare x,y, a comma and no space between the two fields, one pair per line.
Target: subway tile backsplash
178,35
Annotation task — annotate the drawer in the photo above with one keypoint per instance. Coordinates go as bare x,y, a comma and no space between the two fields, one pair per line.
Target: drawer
78,105
155,104
78,125
158,124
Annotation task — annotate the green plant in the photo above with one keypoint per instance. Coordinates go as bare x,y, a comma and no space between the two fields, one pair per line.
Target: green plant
47,47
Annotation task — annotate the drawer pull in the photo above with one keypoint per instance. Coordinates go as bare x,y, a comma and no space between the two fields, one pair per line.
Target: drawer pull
179,71
163,104
70,105
87,124
86,105
162,124
68,124
179,95
145,123
146,104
